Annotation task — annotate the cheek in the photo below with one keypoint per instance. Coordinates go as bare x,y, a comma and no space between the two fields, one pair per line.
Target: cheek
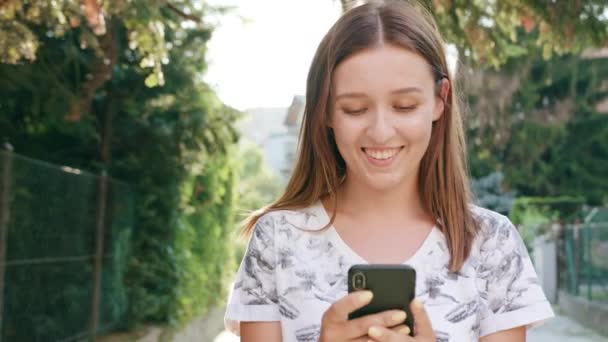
344,142
345,133
416,128
425,136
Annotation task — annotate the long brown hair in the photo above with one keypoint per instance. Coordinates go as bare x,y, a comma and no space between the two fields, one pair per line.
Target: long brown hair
319,170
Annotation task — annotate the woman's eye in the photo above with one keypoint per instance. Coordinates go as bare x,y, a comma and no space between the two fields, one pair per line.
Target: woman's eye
354,111
405,108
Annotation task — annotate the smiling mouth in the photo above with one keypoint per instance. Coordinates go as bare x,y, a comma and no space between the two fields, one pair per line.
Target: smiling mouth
382,153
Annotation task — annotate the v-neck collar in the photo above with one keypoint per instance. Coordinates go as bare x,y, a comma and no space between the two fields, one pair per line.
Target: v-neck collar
346,249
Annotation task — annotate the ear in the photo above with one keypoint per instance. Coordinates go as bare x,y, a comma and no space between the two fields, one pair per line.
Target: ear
441,99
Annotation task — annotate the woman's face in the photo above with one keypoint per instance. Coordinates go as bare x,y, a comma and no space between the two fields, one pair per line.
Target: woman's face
383,106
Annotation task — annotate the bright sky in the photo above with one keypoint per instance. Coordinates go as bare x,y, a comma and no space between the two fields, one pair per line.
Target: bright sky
264,61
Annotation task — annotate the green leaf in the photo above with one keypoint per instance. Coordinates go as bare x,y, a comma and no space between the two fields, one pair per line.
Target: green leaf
151,81
547,51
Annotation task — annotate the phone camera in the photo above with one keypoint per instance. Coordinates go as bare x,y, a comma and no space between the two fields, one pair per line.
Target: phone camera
359,281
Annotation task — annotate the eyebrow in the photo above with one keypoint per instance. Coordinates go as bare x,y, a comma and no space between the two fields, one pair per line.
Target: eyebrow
397,91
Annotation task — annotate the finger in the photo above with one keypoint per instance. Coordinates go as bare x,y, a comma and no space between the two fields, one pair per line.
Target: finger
360,326
338,311
422,323
401,329
361,339
382,334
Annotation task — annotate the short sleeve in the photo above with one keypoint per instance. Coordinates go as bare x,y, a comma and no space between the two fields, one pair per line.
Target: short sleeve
511,291
253,296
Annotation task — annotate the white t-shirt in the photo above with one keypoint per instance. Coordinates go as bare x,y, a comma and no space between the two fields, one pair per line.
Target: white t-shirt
293,270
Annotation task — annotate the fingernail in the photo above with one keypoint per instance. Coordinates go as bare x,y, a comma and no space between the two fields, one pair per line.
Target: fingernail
374,332
418,304
399,317
366,296
405,331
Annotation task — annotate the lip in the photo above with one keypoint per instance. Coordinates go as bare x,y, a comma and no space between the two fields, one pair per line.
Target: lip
381,162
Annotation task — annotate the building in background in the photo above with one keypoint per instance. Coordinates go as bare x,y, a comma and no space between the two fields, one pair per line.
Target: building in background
293,121
276,131
259,123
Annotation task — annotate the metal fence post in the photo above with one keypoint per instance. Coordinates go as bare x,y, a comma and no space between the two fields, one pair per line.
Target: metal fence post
570,263
99,247
588,261
7,166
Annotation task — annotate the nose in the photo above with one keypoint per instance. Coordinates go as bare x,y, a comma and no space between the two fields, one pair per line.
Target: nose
381,127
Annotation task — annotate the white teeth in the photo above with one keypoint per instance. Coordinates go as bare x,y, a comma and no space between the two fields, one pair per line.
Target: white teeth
382,154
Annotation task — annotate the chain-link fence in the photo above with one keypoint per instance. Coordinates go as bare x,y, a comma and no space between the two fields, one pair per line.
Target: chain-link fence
64,244
585,257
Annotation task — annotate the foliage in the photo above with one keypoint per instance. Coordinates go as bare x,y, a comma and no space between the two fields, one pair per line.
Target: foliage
258,186
553,208
537,122
532,221
491,194
205,257
491,32
534,115
49,278
94,106
533,215
180,144
89,20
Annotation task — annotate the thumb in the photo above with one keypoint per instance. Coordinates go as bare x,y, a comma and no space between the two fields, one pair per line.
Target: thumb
423,326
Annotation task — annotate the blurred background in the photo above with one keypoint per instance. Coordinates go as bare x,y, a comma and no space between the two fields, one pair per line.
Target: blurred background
136,134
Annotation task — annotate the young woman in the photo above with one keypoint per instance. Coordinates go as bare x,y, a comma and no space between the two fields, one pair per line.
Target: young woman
381,178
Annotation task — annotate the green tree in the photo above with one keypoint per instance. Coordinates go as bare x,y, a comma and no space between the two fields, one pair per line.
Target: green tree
258,186
532,92
490,193
490,32
117,86
537,121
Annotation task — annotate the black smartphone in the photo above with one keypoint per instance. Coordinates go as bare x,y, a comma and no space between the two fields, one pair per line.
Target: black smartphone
394,287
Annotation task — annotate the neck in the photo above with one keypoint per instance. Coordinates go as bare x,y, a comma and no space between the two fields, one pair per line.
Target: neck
400,202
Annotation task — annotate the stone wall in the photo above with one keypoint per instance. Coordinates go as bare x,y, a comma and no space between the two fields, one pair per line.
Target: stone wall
593,315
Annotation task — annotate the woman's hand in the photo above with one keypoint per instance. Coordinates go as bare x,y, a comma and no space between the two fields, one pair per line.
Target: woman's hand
335,326
422,328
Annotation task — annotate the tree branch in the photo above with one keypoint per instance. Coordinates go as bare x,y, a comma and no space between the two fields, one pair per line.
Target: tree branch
182,13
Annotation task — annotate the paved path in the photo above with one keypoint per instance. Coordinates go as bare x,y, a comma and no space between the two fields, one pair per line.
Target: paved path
226,337
563,329
559,329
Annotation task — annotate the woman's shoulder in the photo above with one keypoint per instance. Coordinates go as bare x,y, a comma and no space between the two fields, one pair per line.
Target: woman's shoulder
307,218
492,224
487,217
